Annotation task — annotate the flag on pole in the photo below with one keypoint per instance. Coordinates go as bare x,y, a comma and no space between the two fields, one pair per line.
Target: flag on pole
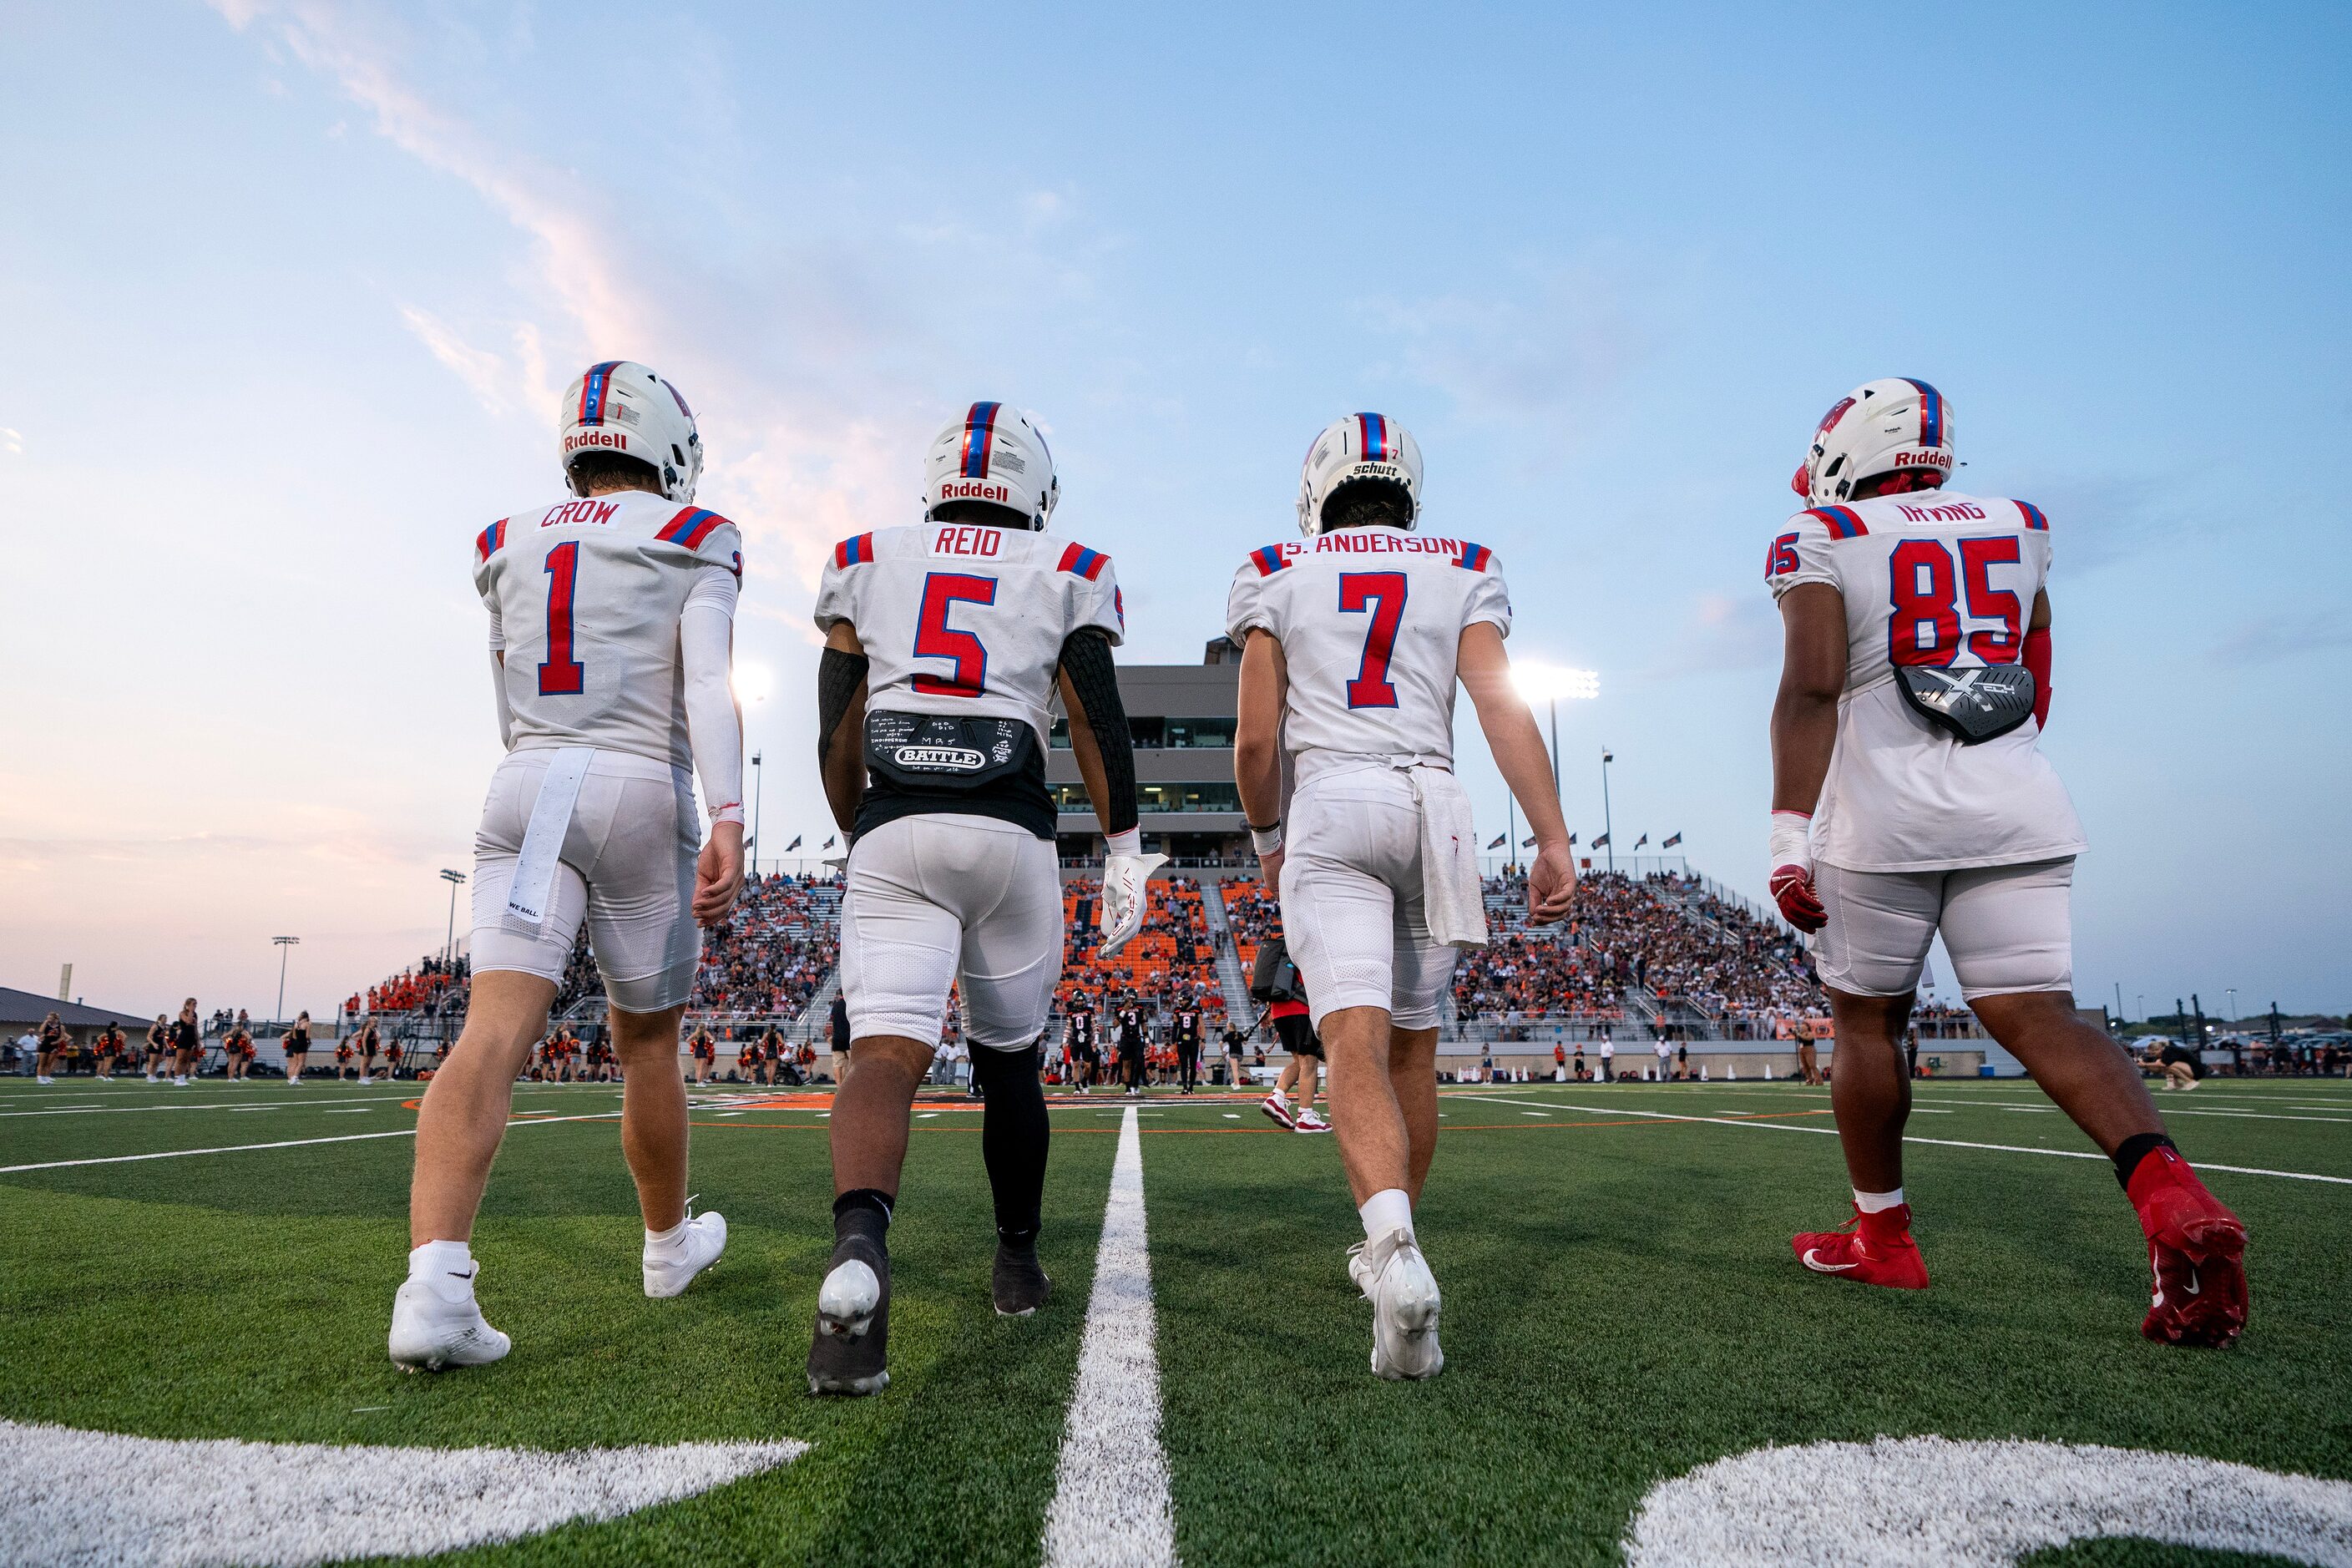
1601,842
1671,842
1528,842
1639,842
793,845
1500,840
1572,841
831,841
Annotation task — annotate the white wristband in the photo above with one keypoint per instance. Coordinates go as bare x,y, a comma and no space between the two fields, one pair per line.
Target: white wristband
1265,840
1792,840
1127,842
732,812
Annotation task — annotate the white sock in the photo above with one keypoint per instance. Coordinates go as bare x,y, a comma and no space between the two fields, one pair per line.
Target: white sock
667,1240
443,1258
1385,1210
1876,1202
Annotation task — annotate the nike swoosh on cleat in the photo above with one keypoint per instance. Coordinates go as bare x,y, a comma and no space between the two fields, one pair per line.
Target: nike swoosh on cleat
1826,1267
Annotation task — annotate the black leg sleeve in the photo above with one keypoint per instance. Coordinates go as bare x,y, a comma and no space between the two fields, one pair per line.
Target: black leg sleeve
1014,1132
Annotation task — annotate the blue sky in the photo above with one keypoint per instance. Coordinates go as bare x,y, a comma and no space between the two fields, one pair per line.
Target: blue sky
292,289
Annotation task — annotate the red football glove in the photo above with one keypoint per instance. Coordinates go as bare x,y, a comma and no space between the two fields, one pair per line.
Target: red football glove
1792,871
1800,906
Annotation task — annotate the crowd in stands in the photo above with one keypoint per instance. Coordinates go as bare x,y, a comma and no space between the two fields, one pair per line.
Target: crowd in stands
433,988
774,951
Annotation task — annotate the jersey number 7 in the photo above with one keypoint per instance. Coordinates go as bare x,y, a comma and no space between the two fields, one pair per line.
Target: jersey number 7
1381,593
934,638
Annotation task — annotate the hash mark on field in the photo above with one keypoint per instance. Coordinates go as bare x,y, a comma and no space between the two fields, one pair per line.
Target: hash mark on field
1535,1113
1110,1492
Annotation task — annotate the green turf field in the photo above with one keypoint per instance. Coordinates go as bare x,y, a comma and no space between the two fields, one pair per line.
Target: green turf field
1622,1307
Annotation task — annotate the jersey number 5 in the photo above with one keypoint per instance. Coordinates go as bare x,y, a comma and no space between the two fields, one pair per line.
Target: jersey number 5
934,638
560,674
1381,593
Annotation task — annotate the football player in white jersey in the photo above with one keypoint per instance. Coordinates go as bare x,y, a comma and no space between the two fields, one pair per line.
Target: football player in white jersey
1351,643
612,626
946,641
1910,795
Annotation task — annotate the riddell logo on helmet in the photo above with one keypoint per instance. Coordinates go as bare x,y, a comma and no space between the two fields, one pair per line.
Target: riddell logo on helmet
1924,460
976,489
587,438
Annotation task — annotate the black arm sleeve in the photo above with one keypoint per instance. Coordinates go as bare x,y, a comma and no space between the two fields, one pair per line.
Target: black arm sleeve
1085,660
839,677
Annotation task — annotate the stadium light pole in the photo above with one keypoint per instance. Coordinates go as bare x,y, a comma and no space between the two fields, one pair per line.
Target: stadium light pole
758,779
1608,828
449,942
2233,1002
283,944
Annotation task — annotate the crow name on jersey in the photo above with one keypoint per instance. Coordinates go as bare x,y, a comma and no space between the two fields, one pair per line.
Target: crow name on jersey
1370,621
961,621
1934,578
585,597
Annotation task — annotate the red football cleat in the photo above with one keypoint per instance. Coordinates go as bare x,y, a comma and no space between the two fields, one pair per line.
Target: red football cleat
2196,1248
1874,1249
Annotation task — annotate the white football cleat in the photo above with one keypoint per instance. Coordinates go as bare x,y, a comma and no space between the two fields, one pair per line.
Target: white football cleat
1311,1122
1360,1271
436,1325
1404,1308
671,1269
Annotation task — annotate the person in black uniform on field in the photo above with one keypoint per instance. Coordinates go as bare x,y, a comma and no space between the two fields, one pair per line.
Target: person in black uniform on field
1128,1024
1188,1043
1086,1055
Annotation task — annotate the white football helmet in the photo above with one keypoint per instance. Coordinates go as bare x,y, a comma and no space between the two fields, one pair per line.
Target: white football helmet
992,454
1360,447
620,406
1879,426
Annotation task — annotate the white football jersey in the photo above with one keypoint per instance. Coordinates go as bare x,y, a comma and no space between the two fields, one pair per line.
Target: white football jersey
963,619
1370,621
586,595
1930,577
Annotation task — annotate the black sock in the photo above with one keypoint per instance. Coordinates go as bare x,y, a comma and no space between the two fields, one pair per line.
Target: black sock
1014,1132
862,1211
2136,1148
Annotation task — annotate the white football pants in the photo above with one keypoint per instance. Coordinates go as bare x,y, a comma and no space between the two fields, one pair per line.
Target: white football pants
941,900
1352,907
627,869
2008,928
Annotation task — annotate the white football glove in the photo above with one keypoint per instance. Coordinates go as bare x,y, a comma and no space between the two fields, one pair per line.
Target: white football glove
1124,877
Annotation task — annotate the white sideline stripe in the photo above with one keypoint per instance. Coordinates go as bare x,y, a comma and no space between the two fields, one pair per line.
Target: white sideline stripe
1941,1143
286,1143
138,1109
1914,1502
205,1501
1111,1507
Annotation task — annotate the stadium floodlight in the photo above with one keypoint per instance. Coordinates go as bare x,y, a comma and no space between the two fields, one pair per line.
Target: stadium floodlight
1551,682
754,683
449,946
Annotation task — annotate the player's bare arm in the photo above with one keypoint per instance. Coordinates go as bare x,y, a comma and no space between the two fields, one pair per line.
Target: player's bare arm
1257,748
1484,669
841,724
1804,735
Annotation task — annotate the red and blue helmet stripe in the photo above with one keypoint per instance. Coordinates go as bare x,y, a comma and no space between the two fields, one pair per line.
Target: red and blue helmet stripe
690,527
1269,560
594,388
1088,563
1474,557
1372,438
853,552
979,438
491,539
2034,522
1931,413
1842,521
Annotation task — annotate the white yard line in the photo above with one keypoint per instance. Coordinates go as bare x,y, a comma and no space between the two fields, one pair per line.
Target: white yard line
288,1143
265,1105
1941,1143
1111,1503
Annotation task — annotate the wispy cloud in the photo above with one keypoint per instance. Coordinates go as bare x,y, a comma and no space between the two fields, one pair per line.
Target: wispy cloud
2286,634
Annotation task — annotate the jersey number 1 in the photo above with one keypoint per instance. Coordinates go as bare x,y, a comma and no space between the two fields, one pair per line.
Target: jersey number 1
560,674
1382,592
